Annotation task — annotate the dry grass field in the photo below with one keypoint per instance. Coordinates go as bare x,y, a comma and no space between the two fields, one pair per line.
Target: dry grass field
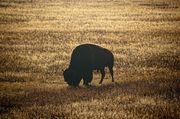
36,41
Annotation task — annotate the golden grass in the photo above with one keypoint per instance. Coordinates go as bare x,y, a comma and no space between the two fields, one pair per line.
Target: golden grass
36,41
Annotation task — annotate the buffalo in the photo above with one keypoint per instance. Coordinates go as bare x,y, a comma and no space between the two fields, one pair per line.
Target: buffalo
84,59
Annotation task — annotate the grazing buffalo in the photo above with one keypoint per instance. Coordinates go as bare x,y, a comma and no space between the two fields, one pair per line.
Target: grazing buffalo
86,58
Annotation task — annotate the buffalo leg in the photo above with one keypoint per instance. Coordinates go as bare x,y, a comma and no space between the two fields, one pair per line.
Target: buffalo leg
102,75
111,72
87,77
85,82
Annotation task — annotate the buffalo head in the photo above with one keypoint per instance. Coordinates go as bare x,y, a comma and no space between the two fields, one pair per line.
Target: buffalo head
71,77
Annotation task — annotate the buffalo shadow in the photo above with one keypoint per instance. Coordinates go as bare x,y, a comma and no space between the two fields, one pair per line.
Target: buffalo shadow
167,88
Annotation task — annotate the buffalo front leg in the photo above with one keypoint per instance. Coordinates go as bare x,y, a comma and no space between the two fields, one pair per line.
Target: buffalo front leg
102,75
87,77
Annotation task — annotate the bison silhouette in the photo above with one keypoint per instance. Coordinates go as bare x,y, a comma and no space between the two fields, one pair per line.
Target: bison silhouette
84,59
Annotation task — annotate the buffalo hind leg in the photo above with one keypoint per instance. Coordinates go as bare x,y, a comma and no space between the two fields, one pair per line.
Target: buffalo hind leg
102,75
111,72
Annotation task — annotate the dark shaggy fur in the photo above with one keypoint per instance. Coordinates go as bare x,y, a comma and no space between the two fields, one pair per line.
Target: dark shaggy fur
86,58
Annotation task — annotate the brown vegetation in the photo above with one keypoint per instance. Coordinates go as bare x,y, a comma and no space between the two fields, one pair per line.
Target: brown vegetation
36,41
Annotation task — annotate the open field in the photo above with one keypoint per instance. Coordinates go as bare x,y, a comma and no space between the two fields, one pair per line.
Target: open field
38,36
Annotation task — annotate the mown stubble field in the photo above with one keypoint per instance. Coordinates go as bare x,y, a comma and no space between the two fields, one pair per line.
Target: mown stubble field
38,36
